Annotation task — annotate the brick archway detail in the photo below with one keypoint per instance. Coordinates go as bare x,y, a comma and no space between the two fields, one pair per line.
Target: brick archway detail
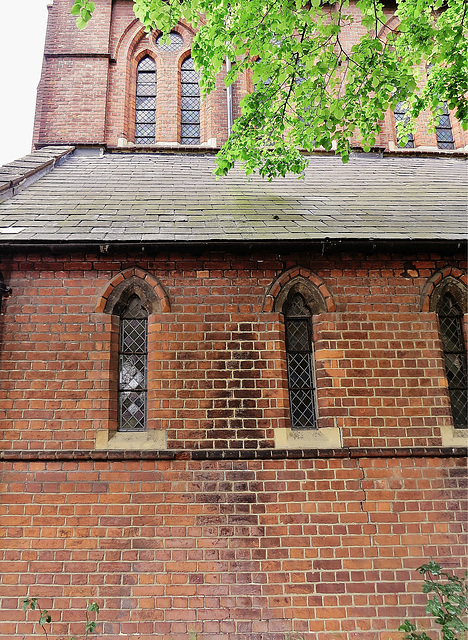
298,272
146,277
435,279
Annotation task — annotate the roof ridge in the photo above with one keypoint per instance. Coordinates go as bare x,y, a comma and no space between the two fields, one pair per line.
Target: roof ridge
20,173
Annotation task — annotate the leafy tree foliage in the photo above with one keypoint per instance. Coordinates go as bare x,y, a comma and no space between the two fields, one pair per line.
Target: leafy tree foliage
313,86
448,604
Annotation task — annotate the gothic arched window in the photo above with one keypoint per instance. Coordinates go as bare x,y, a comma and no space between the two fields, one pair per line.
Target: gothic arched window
145,102
189,103
300,363
401,115
444,133
451,331
133,364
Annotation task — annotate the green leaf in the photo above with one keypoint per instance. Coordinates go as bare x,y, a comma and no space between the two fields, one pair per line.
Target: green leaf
81,24
75,10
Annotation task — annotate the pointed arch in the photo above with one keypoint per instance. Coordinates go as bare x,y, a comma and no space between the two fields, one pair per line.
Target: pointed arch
445,293
309,284
129,282
448,278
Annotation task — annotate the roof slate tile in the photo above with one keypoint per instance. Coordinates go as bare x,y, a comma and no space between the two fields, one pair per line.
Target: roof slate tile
168,197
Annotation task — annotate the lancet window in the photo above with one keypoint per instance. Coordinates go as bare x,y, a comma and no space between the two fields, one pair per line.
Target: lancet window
133,364
189,103
300,363
451,331
145,102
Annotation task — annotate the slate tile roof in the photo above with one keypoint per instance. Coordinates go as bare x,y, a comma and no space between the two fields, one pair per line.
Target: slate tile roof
172,197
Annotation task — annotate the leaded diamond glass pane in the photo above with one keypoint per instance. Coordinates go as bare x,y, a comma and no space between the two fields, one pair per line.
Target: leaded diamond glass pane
450,329
459,400
444,135
146,64
187,64
146,103
444,121
146,90
175,43
133,335
144,117
298,335
190,77
302,408
189,117
190,131
190,90
446,145
300,370
297,307
456,375
145,130
143,140
132,372
132,409
190,103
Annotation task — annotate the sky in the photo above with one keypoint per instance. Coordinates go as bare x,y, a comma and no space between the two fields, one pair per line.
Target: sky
22,34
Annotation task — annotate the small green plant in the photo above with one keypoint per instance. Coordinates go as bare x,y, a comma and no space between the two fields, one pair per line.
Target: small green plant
448,604
45,618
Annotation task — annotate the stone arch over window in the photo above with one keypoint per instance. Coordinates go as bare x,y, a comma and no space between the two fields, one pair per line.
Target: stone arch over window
134,281
446,294
131,298
313,289
450,278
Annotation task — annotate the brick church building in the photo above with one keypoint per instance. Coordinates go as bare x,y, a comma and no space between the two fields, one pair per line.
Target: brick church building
230,409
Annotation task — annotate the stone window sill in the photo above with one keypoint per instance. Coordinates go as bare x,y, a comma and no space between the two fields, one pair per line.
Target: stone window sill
452,437
325,438
154,439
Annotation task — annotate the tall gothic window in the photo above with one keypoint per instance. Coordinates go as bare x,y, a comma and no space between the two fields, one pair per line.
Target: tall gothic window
189,103
299,351
444,131
401,115
451,330
133,360
145,106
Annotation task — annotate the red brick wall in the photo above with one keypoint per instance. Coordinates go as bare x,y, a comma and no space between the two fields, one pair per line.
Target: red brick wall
78,95
223,535
244,550
217,364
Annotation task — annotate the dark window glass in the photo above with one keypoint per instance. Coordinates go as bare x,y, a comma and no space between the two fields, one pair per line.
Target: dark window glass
400,114
175,43
190,103
133,358
444,131
451,331
299,353
145,105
